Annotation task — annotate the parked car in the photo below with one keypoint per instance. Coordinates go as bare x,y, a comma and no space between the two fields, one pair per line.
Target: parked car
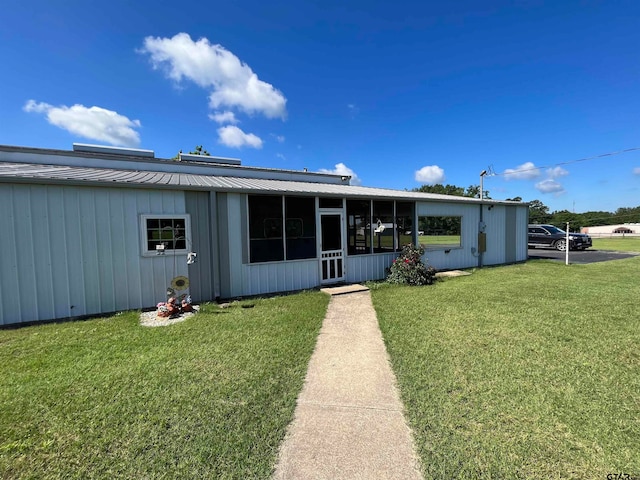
554,237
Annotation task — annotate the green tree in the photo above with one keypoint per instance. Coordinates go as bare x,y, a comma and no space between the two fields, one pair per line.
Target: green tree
538,212
561,217
628,215
199,150
441,189
472,191
592,218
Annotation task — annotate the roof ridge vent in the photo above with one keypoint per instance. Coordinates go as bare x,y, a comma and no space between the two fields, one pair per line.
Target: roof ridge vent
188,157
133,152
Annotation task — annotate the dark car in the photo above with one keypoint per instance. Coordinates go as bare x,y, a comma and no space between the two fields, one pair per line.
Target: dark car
553,237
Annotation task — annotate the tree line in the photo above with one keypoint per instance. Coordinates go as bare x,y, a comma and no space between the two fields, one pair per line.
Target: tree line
539,212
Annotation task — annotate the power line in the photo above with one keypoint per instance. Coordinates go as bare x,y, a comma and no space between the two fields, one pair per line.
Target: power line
492,173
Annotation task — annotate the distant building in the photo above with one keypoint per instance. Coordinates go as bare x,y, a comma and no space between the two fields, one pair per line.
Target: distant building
621,229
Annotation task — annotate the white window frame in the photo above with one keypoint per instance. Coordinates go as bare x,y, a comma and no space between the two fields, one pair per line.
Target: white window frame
144,241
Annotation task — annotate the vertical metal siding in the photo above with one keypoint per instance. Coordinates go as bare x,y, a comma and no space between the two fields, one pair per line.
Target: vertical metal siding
26,287
201,272
223,244
58,235
461,257
494,220
70,251
361,268
9,302
510,235
215,245
522,221
232,242
259,278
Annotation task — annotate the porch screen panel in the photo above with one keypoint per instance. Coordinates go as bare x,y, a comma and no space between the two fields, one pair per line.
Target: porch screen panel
383,227
300,227
404,224
265,229
359,217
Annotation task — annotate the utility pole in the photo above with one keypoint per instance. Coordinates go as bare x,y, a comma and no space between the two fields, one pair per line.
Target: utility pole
482,174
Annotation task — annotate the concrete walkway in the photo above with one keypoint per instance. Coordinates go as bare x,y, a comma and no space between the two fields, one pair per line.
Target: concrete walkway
349,421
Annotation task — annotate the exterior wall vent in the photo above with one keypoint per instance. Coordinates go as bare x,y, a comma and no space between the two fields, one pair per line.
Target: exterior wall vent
133,152
187,157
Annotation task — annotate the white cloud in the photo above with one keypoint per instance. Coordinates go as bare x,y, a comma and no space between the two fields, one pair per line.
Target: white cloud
549,186
342,169
232,136
223,117
280,156
636,171
526,171
279,138
233,83
94,123
556,172
33,106
430,175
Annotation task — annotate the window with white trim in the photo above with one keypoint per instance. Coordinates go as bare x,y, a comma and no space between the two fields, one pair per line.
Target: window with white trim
165,234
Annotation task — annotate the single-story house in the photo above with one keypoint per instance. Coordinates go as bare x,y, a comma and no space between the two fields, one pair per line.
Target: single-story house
101,229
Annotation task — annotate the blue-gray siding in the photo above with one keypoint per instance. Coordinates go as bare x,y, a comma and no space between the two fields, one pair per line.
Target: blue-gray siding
70,251
201,277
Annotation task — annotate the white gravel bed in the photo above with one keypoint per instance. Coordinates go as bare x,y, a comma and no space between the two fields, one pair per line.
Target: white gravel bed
151,319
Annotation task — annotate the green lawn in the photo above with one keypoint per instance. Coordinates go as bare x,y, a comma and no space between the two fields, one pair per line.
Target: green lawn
430,241
207,398
525,371
621,244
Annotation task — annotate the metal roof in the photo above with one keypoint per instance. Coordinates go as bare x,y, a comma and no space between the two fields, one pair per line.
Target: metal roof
60,174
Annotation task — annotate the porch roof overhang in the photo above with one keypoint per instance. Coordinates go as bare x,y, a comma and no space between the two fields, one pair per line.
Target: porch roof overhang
11,172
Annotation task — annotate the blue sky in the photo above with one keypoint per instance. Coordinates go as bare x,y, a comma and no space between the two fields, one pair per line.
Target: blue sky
397,94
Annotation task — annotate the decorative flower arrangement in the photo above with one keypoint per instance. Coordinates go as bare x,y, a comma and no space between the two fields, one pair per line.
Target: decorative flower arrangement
174,306
163,310
186,303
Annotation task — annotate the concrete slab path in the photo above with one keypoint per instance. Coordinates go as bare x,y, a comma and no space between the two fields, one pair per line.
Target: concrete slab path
349,421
